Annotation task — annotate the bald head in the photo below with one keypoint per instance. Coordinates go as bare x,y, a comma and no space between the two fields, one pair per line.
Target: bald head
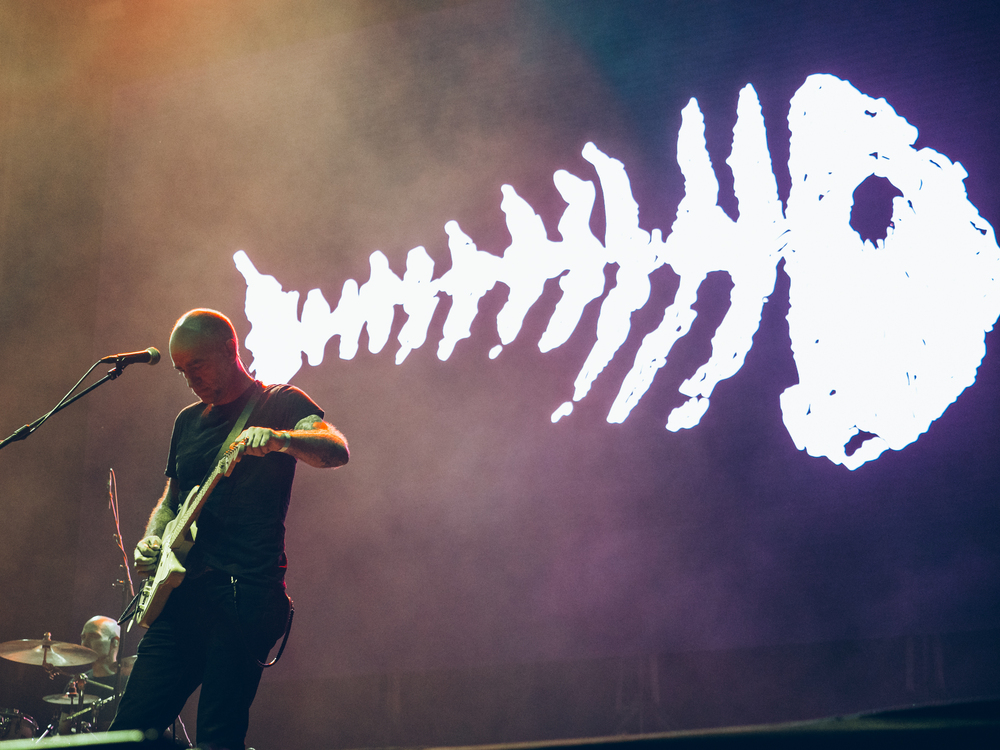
205,349
102,635
207,325
106,626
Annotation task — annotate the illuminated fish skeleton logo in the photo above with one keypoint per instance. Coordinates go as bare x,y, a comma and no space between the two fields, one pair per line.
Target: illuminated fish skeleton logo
885,334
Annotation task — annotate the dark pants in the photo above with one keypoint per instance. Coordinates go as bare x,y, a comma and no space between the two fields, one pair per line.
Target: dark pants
199,639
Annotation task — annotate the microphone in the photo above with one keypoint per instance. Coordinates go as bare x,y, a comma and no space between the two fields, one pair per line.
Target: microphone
150,356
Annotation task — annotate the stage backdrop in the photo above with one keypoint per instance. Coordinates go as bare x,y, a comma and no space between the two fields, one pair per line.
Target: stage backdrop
653,327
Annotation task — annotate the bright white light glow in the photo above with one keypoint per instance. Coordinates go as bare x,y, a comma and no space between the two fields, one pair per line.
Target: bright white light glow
884,336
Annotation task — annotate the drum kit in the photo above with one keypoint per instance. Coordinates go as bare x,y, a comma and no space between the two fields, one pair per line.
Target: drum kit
57,658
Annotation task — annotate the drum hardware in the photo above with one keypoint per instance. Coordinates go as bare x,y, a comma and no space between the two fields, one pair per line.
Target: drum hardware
53,656
15,725
100,686
82,719
56,658
70,699
78,722
95,705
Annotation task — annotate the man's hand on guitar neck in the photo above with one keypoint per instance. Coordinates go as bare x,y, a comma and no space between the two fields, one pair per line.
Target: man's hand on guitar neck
313,441
147,552
259,441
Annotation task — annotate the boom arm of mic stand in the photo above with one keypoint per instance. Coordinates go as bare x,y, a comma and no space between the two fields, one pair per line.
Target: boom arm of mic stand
22,433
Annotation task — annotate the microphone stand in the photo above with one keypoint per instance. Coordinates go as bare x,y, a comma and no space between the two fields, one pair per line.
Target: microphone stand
22,433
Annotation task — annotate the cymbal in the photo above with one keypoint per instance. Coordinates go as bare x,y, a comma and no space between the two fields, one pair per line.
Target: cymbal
69,699
48,652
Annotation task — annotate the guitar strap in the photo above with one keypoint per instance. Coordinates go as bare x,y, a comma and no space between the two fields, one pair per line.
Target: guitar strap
240,422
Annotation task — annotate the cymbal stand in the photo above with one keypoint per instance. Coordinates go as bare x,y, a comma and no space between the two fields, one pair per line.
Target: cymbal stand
50,669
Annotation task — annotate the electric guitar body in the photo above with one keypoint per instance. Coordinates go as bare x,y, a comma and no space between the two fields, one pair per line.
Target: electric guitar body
177,540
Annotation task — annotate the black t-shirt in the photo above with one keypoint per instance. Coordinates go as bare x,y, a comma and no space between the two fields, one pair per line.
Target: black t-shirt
241,529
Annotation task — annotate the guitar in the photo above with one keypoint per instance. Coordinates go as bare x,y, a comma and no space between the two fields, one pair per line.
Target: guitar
177,540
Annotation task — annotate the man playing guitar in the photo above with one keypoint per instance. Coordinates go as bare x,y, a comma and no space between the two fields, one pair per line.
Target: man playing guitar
218,626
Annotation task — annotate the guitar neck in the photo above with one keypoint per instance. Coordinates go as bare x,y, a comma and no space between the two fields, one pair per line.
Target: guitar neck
191,507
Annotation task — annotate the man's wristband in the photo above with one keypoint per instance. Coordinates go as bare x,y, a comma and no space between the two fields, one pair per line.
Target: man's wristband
288,443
